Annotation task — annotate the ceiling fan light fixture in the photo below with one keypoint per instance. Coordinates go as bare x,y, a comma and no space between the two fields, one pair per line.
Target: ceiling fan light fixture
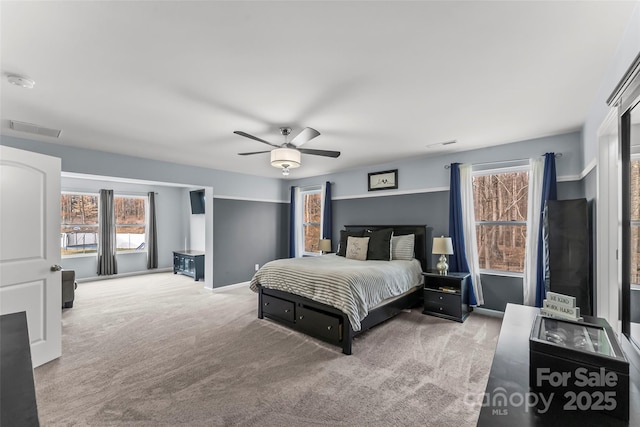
285,158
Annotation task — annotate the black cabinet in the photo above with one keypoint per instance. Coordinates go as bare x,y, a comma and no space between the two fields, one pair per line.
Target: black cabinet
446,295
190,263
566,231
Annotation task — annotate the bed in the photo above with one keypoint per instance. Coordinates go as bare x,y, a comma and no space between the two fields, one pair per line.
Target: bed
302,293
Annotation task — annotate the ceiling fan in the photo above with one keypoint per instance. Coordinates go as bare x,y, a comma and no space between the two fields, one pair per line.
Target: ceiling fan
287,155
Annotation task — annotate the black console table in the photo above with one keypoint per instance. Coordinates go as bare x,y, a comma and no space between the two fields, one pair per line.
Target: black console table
190,263
509,377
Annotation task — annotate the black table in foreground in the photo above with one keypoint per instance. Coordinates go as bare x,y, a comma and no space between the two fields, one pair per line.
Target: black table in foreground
508,400
17,391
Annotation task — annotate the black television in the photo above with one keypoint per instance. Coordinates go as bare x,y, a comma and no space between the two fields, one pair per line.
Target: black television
197,201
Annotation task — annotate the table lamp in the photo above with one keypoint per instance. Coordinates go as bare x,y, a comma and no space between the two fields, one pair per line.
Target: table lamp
325,245
442,246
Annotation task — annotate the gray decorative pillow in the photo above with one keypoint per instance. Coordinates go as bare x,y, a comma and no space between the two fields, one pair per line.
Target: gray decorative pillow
357,248
342,246
402,247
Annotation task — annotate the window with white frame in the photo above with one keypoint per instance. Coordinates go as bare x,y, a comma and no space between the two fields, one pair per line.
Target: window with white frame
131,223
311,220
80,220
79,223
500,207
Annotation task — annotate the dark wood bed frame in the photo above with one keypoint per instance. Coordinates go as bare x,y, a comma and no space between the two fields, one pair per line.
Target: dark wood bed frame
330,324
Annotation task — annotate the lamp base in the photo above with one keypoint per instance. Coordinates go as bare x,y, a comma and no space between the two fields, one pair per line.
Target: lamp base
442,265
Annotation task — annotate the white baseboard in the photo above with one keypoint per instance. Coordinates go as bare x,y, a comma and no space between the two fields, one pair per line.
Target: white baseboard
227,287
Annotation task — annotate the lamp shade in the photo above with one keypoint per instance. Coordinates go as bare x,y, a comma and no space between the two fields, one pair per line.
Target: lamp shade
285,158
325,245
442,246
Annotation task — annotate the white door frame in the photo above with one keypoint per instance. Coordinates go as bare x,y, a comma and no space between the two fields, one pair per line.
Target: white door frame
609,229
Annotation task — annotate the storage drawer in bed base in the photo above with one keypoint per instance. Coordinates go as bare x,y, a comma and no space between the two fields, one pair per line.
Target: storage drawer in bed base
318,324
309,317
277,307
322,321
305,319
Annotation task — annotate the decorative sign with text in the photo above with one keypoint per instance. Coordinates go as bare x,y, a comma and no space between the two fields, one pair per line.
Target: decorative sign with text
560,306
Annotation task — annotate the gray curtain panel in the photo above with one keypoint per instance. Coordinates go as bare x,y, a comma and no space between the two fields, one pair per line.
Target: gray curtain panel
107,235
152,234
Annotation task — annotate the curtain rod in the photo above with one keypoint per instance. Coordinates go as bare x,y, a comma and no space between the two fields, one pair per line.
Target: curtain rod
558,155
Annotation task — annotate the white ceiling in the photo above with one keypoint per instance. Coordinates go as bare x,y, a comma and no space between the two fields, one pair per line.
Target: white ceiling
380,80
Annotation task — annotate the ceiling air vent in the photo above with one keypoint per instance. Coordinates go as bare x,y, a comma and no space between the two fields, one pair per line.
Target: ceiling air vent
35,129
435,144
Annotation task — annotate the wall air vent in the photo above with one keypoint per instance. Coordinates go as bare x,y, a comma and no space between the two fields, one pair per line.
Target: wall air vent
35,129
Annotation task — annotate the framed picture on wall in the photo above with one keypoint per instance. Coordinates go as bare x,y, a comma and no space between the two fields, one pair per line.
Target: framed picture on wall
385,180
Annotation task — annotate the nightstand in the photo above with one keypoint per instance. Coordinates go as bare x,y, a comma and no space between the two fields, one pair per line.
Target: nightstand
446,295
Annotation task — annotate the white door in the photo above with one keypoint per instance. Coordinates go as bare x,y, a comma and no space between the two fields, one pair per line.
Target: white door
30,247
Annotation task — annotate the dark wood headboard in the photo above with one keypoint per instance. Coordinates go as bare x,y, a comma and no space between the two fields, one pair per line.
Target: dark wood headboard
424,239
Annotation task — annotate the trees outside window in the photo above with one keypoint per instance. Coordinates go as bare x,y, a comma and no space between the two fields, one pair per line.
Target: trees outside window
311,220
79,223
131,223
500,206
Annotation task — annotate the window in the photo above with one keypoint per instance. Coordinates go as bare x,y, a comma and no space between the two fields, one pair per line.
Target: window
131,223
500,206
79,228
634,205
311,220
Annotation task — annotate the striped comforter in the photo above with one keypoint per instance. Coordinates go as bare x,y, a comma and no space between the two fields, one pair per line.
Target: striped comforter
351,286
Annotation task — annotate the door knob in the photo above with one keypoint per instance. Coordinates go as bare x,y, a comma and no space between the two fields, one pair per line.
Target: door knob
56,267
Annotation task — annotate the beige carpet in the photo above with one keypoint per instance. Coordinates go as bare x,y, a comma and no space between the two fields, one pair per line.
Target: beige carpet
159,350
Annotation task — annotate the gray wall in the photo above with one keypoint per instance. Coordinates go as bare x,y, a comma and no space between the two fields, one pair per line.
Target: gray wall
432,209
246,233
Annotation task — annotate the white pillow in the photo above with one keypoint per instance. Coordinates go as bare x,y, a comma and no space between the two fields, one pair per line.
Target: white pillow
357,248
402,247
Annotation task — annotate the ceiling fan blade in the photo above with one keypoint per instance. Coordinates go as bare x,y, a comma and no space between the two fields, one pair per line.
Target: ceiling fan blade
253,152
306,135
246,135
325,153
